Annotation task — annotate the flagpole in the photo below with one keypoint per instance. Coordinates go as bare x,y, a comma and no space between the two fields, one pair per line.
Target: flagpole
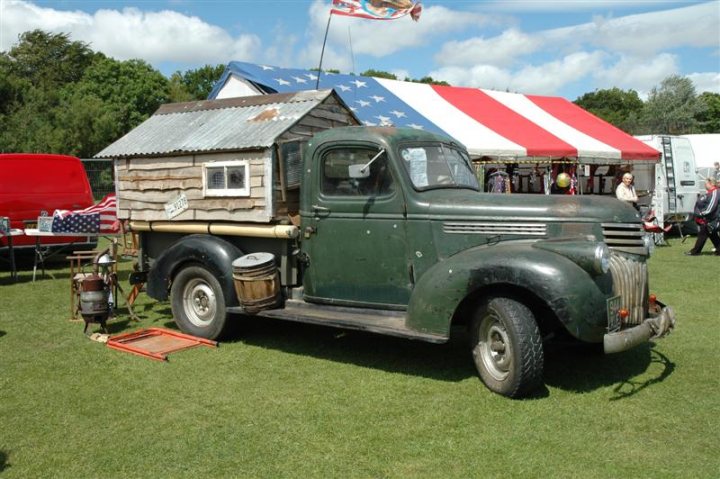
322,52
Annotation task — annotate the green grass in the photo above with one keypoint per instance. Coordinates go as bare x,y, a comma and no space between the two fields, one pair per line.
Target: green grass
291,400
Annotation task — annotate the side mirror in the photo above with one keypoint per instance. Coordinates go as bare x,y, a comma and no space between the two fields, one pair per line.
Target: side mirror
359,171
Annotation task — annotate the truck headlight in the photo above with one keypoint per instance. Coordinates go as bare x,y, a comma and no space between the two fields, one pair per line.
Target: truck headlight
591,255
602,258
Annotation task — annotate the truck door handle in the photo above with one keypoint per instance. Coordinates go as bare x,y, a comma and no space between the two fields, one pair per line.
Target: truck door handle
320,209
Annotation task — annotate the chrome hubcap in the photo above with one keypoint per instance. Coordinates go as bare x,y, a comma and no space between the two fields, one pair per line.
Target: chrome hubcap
200,302
494,347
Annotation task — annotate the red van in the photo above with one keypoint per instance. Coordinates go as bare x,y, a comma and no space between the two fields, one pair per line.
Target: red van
32,183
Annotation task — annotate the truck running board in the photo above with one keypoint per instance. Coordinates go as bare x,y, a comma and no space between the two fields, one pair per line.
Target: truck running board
386,322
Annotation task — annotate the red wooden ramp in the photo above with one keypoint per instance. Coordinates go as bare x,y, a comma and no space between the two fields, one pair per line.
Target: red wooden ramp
156,343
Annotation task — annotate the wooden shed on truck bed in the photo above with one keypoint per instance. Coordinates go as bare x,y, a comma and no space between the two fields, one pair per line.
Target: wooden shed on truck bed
232,160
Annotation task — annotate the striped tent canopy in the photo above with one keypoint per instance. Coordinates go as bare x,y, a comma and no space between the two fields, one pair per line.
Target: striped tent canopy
509,126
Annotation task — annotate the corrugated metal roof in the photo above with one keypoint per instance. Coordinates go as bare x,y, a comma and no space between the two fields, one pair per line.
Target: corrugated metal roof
216,125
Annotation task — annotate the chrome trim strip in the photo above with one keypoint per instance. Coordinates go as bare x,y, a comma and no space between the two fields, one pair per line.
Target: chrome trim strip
524,229
626,237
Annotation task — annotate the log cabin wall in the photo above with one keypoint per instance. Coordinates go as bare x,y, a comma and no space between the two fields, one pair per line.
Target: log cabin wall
146,185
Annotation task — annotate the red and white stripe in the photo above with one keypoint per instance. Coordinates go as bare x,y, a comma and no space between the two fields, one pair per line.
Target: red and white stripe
106,208
497,123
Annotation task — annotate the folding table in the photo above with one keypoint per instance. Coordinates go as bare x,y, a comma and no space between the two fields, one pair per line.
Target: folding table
11,252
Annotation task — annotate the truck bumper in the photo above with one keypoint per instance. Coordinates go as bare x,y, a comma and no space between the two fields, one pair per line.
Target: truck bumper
654,327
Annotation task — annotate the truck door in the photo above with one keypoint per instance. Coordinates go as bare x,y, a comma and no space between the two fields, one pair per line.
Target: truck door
681,176
354,230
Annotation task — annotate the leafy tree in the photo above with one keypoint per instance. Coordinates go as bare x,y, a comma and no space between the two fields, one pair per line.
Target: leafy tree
197,83
709,117
51,59
59,96
11,86
392,76
673,107
132,90
618,107
379,74
86,124
431,81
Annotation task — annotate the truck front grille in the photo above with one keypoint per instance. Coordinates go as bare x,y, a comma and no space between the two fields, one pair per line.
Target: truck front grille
522,229
627,237
630,280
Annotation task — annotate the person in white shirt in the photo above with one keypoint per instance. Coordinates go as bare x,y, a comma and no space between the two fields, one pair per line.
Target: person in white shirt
625,191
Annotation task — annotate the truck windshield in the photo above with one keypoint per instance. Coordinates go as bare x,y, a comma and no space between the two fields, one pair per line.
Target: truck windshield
438,166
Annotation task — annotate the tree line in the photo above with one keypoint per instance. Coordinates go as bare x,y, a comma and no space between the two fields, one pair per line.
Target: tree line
60,96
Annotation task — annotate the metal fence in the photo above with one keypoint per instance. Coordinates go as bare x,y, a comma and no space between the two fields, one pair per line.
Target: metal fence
101,176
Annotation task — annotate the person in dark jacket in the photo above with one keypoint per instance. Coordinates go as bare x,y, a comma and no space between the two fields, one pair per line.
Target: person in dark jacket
707,216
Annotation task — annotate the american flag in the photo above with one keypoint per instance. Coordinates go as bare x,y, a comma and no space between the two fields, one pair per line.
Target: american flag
487,122
100,218
377,10
372,102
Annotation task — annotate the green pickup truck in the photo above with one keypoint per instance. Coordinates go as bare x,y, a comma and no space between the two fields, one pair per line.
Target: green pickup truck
395,236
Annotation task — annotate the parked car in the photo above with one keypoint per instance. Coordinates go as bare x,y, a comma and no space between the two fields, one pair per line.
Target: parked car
33,183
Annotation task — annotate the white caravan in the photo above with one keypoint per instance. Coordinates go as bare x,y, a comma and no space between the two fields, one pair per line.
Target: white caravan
706,148
672,182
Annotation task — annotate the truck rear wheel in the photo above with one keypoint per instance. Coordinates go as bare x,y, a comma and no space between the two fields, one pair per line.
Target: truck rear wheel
507,347
198,304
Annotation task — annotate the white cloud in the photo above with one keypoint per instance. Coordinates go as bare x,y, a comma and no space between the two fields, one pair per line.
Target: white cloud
501,50
637,73
401,74
480,76
706,82
547,78
565,6
627,52
647,33
550,77
164,36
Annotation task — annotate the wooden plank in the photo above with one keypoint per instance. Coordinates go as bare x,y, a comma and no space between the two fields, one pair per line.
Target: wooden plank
143,185
161,173
310,121
229,204
156,196
332,116
166,162
304,130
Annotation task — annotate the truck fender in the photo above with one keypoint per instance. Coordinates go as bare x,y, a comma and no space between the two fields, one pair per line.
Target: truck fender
213,252
576,298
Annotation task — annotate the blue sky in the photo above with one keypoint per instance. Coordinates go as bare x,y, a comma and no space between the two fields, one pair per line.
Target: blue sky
563,48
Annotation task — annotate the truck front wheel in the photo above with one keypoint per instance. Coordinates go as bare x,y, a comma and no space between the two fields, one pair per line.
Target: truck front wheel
198,304
507,347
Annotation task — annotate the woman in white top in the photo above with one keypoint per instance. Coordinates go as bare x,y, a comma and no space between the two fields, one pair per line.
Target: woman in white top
625,191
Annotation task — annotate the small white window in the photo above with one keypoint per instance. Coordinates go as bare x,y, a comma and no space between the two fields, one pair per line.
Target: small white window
226,178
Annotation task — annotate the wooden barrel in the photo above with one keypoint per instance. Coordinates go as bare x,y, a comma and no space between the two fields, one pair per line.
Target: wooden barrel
257,281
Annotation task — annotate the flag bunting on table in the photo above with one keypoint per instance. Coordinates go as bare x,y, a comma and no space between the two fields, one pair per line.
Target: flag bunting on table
377,9
100,218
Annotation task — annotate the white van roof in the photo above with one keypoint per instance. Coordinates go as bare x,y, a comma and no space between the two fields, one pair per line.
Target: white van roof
706,148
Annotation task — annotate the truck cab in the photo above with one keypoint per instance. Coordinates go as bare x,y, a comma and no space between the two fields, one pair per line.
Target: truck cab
395,236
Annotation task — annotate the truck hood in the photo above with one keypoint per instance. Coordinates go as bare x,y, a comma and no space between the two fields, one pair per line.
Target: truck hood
471,205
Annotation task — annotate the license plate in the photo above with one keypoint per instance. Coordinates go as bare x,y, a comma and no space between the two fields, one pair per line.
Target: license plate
613,306
177,206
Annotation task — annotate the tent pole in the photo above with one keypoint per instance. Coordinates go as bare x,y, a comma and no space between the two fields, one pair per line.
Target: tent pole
322,52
